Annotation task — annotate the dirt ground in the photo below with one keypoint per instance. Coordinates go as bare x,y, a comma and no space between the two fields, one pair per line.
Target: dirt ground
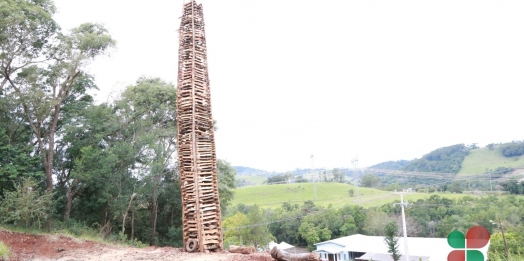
64,248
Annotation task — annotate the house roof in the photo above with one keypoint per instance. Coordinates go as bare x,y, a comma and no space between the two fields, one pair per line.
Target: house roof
330,249
387,257
434,248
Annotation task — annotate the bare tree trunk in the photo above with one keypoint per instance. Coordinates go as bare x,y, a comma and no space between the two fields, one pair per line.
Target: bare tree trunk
69,197
154,210
280,255
127,210
132,224
51,149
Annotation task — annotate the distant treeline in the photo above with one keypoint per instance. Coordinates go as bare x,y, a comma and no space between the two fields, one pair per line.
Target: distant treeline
512,149
514,187
435,216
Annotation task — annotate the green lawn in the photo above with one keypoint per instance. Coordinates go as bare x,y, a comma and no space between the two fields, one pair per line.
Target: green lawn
336,194
481,159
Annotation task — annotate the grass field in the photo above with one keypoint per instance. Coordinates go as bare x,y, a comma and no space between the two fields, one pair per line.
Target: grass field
252,179
336,194
481,159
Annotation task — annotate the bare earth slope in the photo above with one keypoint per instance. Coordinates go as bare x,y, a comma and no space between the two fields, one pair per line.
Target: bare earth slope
64,248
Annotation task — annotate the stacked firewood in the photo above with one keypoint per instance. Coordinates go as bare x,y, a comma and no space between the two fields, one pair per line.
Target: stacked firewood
202,229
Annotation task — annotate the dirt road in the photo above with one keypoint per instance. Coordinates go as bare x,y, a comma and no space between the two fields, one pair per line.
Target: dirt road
64,248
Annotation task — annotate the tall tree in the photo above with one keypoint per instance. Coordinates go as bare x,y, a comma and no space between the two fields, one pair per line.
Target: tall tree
391,239
152,104
26,28
26,32
43,93
44,87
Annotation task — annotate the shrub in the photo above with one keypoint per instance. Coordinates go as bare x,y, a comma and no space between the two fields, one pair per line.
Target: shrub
4,251
26,204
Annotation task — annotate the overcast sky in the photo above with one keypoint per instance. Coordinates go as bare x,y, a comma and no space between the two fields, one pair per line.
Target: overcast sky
381,80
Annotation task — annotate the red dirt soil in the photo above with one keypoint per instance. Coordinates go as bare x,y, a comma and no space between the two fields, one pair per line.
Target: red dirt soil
64,248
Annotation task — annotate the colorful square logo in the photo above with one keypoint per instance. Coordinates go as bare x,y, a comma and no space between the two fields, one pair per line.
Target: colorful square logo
477,237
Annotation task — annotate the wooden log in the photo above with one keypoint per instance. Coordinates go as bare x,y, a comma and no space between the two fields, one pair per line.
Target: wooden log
241,249
280,255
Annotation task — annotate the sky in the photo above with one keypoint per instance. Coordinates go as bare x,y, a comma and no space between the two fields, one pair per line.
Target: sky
376,80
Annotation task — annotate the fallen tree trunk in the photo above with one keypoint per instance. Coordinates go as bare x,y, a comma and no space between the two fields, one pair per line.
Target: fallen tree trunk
280,255
241,249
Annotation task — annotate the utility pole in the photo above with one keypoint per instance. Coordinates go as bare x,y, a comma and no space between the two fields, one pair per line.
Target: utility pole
504,237
314,182
402,204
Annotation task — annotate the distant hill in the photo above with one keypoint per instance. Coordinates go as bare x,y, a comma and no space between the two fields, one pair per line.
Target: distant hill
465,160
241,170
247,176
445,160
393,165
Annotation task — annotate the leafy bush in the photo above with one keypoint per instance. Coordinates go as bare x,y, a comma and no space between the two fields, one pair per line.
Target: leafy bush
4,252
26,205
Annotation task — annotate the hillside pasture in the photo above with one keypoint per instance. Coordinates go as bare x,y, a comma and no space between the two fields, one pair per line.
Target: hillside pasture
480,160
336,194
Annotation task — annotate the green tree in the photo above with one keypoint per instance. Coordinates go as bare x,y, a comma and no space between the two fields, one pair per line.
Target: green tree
235,228
287,230
26,30
258,230
310,233
370,181
375,222
226,183
338,176
497,247
151,105
391,240
45,89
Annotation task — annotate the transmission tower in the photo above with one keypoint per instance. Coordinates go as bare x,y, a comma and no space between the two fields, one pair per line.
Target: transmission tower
202,228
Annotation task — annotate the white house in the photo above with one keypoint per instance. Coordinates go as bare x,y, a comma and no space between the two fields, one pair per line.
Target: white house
361,247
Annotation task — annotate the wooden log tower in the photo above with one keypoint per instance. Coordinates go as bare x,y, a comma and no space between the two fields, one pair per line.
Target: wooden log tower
201,215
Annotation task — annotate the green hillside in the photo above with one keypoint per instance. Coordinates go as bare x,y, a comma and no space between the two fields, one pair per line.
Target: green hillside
327,193
336,194
482,159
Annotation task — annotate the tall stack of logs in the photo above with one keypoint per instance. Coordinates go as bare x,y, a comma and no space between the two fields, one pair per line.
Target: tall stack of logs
202,229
